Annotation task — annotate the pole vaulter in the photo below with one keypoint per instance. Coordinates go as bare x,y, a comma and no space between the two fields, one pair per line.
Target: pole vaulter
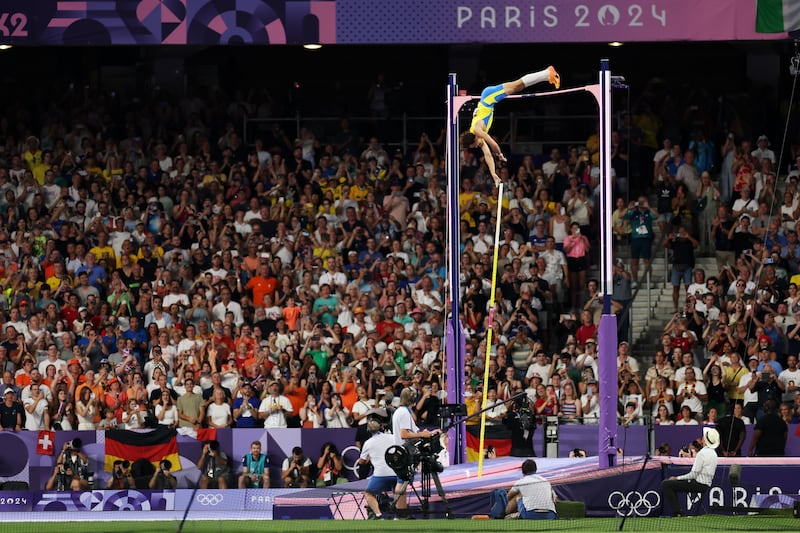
607,334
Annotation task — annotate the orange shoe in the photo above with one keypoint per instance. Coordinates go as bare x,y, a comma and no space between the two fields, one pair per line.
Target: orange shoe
555,78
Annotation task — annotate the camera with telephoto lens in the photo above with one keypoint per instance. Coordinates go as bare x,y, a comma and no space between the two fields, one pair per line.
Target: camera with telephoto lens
120,468
165,465
422,451
523,413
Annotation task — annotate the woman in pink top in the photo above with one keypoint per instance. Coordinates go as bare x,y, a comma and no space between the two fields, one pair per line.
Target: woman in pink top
576,247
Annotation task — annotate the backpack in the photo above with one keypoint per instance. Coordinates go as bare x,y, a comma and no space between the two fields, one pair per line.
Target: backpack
498,501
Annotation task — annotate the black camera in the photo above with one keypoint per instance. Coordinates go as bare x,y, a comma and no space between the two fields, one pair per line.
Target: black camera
74,444
166,465
213,445
120,467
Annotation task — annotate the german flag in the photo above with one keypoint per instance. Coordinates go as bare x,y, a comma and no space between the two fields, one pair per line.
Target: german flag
497,436
156,445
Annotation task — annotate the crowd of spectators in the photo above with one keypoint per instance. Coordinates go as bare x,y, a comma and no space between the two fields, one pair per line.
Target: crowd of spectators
158,270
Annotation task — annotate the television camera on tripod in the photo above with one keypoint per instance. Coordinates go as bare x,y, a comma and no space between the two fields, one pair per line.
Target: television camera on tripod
420,453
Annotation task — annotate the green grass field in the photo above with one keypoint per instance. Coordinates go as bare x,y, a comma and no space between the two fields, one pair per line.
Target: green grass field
683,525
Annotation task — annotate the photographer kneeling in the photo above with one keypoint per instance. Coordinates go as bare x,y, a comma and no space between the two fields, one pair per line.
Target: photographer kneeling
72,469
162,478
121,477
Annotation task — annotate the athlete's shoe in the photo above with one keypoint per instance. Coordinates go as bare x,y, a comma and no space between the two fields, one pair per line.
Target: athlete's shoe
555,77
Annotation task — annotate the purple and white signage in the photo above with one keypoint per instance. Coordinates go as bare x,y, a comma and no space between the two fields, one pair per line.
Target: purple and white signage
260,22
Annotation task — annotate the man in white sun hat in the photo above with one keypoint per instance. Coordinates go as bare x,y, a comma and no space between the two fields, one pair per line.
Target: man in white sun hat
699,478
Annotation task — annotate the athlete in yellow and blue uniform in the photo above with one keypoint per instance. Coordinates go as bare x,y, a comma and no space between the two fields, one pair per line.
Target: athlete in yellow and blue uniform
478,134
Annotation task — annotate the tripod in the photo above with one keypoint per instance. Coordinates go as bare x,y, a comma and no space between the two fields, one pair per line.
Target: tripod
429,471
405,462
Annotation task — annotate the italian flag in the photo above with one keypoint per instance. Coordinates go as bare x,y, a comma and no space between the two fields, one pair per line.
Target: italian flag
777,16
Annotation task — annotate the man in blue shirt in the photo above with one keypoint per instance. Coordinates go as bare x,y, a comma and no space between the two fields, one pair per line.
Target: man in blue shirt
139,336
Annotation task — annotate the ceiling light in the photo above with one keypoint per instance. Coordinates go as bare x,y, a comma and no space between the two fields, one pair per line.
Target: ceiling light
615,44
312,46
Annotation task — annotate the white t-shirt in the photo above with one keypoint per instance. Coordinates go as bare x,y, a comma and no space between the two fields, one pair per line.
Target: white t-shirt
170,415
749,206
219,413
692,402
337,418
361,407
542,370
494,416
374,450
785,377
749,395
60,364
591,415
680,374
276,419
697,288
536,493
402,419
632,363
35,421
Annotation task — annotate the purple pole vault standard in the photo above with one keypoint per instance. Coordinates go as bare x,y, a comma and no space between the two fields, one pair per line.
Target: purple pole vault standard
455,341
607,332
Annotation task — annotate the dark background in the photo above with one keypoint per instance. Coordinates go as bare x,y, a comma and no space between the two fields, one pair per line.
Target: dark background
751,78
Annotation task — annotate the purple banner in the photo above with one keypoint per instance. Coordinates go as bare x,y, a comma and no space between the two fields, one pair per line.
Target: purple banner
608,495
679,436
23,464
756,479
104,500
632,440
15,500
260,22
619,491
547,21
139,22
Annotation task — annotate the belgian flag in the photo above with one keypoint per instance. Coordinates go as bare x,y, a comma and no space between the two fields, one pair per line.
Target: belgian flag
498,436
155,446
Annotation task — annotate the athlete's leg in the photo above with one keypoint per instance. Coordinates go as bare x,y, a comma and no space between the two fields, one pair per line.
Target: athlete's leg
546,75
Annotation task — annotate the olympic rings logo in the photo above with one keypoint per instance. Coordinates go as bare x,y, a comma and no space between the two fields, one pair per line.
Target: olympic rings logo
350,457
634,502
209,499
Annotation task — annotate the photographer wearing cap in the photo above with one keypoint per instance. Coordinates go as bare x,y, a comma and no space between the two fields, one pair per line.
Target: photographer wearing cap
121,477
699,478
383,477
162,478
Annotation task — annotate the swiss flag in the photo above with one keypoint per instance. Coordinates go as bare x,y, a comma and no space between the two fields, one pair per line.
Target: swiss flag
46,443
206,434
